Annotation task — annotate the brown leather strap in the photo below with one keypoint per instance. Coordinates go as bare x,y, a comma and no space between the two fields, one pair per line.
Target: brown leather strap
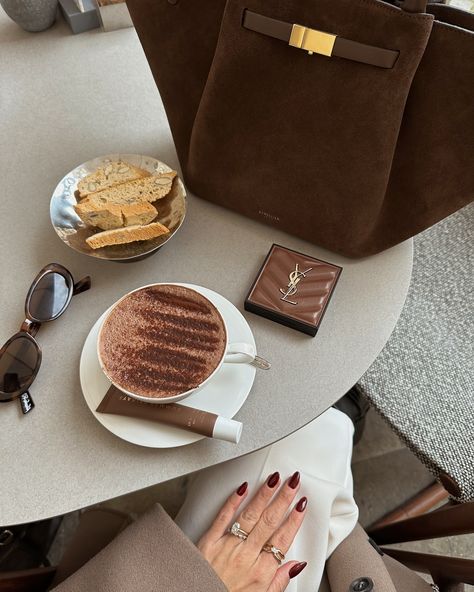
343,48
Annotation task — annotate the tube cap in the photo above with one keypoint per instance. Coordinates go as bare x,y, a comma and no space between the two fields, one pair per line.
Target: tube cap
227,429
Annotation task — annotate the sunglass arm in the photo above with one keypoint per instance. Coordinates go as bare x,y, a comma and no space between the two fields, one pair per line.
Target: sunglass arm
82,285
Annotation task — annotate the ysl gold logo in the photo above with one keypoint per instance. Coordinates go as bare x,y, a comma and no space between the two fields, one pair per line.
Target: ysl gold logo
295,277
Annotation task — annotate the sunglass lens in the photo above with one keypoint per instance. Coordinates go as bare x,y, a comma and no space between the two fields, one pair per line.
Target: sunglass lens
49,297
18,365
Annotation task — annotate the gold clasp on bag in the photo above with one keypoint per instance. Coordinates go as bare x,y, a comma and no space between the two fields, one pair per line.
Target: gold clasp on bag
311,40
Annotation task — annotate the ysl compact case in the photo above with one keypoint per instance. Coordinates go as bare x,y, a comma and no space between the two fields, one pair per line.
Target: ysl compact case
293,289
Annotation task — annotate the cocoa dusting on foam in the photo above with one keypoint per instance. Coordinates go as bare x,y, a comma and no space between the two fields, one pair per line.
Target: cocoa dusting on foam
162,340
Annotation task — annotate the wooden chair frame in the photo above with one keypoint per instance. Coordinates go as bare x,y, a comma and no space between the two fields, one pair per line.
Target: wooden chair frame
414,522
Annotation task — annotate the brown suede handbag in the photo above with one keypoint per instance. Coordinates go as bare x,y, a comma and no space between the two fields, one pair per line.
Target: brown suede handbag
349,123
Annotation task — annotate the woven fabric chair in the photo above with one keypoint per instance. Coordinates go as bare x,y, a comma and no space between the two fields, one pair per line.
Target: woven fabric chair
423,381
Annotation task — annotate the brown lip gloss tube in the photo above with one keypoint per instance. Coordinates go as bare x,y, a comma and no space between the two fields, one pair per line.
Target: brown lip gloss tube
193,420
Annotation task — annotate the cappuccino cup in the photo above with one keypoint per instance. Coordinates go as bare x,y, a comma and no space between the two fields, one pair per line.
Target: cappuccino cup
163,342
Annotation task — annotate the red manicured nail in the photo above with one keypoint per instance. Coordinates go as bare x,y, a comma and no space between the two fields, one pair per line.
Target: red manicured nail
297,569
301,505
295,479
273,479
242,489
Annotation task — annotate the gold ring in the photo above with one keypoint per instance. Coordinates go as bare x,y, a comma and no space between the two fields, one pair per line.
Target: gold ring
238,532
269,548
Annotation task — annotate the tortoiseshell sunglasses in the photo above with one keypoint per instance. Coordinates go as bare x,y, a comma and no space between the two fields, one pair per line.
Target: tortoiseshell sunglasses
20,357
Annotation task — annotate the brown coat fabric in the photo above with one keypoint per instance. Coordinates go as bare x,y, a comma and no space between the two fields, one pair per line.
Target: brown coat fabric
153,554
355,557
346,155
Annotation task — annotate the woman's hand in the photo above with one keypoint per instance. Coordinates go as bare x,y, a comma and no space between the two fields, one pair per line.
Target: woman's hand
241,564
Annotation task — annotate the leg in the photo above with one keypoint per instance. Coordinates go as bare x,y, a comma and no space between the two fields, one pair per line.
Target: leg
321,451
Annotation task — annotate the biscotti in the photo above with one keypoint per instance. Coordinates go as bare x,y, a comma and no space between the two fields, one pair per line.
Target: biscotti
109,216
138,214
147,189
110,175
103,216
129,234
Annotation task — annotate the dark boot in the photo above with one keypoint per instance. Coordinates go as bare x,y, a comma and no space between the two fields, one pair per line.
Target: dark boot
355,405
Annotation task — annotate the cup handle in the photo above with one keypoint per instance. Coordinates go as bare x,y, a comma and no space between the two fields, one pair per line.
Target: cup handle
240,353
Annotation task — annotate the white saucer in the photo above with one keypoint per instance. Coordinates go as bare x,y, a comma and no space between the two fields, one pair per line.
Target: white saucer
224,394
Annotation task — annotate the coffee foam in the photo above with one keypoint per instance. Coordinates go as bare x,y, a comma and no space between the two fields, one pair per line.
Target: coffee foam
161,341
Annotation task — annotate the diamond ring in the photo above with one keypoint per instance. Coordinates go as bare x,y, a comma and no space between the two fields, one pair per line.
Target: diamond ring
238,532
